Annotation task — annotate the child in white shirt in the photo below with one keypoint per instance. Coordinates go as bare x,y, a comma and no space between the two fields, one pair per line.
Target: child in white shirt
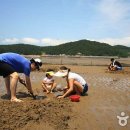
48,83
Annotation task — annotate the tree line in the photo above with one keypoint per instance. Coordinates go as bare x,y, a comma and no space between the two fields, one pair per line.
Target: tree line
82,47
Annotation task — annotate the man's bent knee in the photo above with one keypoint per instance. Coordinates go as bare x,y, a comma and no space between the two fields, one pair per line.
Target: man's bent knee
14,75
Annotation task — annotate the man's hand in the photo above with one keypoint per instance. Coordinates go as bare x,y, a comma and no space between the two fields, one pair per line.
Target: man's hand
32,94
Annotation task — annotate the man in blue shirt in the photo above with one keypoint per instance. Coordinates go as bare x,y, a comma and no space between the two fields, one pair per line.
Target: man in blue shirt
10,65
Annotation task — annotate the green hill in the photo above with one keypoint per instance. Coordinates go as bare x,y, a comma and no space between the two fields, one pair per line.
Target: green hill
21,49
84,47
89,48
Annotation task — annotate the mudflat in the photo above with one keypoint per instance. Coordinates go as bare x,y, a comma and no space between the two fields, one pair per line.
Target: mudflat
108,96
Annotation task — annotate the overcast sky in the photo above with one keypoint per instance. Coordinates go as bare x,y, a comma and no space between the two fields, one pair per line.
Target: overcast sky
52,22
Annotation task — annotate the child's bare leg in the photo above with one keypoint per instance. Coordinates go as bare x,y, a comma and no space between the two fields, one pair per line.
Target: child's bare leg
44,88
53,87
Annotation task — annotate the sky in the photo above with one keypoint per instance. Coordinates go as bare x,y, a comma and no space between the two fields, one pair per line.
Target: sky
53,22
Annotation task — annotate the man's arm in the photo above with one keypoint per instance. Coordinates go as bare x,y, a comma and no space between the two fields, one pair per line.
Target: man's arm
28,84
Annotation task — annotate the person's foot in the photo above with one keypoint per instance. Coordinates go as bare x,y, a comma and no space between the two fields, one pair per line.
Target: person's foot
8,95
16,100
47,92
51,91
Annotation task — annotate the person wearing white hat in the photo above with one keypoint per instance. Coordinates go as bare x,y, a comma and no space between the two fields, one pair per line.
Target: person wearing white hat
75,82
10,65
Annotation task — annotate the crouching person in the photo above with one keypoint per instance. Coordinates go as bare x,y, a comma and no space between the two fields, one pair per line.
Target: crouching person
114,65
75,83
48,83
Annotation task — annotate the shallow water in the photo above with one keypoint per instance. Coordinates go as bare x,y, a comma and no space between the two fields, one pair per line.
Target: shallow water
121,84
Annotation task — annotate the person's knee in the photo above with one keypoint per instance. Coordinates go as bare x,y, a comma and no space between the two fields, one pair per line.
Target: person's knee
55,84
14,75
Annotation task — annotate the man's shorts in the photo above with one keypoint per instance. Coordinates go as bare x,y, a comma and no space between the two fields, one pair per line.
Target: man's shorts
6,69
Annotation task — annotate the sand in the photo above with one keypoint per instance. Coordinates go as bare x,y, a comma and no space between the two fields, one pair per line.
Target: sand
108,96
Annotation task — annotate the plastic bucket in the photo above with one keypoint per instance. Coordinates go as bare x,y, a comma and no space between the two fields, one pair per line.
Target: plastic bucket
74,98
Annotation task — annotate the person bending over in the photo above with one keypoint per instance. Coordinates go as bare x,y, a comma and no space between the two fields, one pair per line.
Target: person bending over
10,65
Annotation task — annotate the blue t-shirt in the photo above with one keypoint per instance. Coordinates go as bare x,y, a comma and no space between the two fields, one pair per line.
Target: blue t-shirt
18,62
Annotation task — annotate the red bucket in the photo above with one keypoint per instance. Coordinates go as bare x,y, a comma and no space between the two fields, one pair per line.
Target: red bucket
74,98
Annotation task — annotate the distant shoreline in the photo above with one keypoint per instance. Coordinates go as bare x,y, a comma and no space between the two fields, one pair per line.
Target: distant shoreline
79,60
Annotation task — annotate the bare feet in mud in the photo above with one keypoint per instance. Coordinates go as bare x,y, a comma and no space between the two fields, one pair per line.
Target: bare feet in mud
16,100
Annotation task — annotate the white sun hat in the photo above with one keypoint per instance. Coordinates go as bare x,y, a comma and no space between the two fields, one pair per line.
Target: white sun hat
61,73
37,62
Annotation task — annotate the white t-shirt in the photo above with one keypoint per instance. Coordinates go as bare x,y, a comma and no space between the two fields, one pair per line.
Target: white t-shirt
47,80
76,77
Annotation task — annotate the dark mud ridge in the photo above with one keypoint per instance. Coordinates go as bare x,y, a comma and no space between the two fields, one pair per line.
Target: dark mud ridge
17,115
